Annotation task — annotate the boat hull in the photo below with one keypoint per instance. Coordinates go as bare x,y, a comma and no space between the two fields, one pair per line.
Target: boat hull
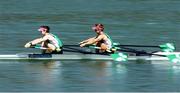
78,57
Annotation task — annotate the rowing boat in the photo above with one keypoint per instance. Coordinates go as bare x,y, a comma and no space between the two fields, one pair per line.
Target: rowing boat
89,53
80,56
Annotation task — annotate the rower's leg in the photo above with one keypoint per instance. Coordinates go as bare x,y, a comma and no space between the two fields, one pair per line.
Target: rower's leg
103,47
49,46
52,49
43,44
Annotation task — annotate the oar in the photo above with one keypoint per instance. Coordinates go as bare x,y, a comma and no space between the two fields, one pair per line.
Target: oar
115,56
67,49
71,45
173,57
167,47
39,47
120,56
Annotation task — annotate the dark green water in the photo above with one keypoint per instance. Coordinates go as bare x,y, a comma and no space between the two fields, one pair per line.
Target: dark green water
147,22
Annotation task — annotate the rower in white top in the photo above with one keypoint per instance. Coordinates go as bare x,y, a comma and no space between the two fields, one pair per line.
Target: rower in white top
50,42
101,40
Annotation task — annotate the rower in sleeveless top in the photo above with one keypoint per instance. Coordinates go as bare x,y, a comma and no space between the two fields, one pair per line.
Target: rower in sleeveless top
101,40
48,40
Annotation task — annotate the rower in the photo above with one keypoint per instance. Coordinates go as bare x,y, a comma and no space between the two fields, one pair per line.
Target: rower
102,40
49,41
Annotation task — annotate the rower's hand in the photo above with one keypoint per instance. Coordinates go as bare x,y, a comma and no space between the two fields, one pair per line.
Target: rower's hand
82,45
58,49
81,42
28,45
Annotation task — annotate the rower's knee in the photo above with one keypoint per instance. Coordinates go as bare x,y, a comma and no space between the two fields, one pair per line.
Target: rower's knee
52,47
103,47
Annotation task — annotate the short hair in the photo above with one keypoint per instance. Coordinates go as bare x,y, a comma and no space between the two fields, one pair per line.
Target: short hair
46,27
100,25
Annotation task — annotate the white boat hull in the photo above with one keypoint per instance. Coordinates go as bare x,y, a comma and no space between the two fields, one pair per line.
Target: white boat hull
79,57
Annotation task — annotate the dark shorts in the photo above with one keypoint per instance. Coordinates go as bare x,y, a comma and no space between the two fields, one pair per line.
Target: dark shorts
105,52
55,52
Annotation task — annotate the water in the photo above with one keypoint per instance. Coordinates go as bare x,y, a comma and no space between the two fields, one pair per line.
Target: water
148,22
98,76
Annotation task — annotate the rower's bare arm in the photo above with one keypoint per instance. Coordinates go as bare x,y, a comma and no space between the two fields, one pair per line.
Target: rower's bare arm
36,41
40,40
92,41
97,39
86,40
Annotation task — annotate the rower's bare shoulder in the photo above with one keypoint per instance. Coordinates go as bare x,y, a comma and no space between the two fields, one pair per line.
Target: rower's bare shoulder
104,36
100,37
46,37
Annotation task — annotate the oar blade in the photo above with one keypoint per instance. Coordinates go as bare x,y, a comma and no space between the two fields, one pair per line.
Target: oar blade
175,58
168,47
119,56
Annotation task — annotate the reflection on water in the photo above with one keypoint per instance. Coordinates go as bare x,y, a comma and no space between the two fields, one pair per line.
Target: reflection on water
84,75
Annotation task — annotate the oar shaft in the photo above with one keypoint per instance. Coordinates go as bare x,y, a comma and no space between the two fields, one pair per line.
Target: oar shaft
137,46
139,52
71,45
116,45
124,48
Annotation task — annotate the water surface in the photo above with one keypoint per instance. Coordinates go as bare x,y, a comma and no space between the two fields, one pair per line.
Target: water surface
147,22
